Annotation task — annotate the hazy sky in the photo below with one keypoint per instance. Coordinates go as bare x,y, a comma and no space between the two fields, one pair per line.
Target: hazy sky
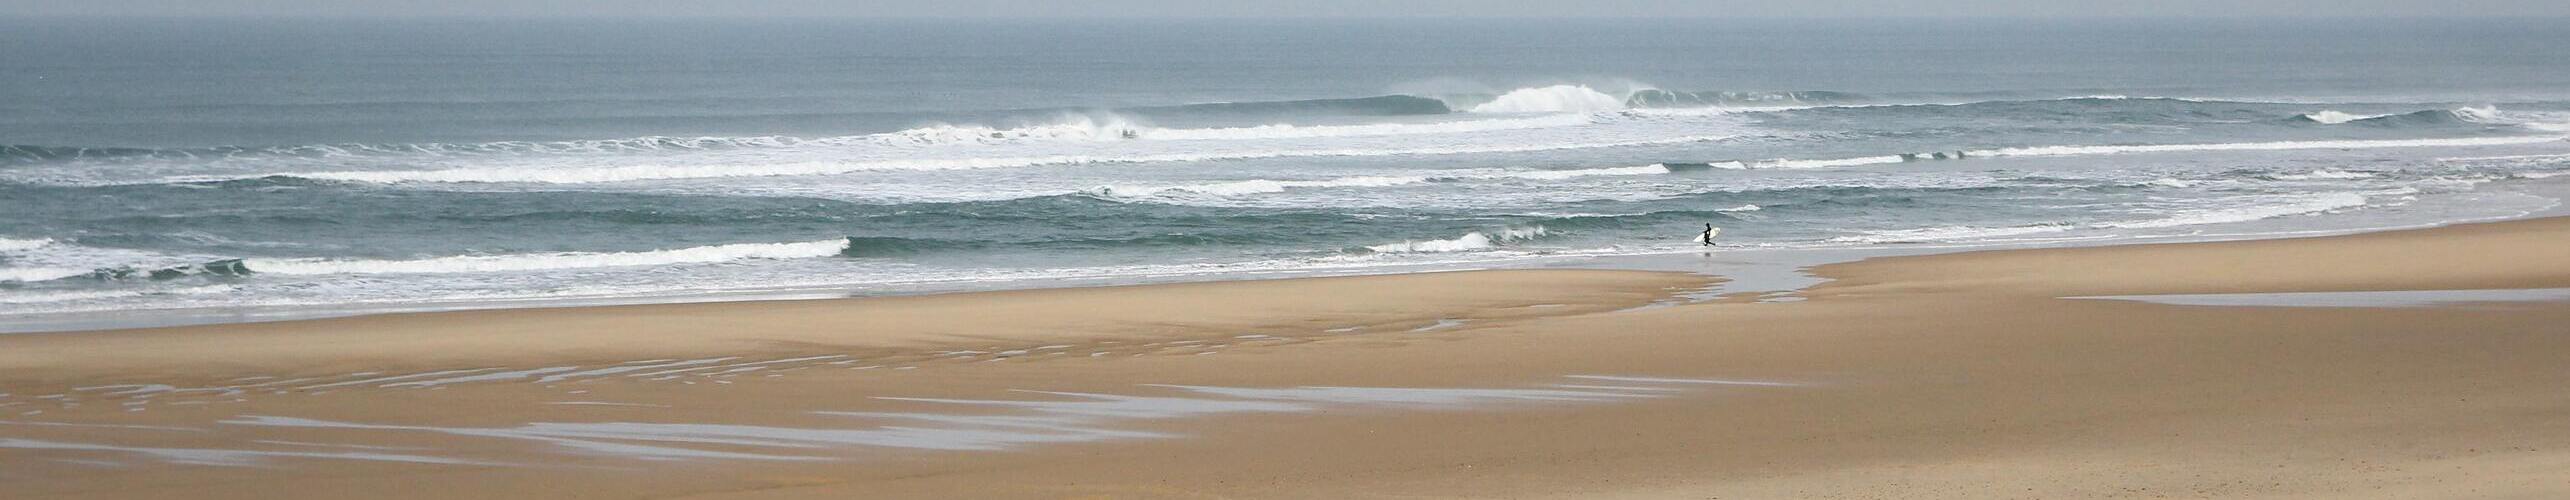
1291,8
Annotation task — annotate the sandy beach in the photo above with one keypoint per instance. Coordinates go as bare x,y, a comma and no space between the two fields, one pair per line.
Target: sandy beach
1967,375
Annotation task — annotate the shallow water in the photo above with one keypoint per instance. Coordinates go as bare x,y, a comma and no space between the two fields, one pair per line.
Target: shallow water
1029,418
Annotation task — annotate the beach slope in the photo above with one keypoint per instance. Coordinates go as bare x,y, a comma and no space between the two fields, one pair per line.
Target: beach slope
1971,375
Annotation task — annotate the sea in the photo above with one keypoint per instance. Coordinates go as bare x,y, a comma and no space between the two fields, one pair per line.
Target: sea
178,170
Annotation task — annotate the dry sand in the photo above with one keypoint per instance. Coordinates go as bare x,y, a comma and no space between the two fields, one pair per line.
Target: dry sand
1949,376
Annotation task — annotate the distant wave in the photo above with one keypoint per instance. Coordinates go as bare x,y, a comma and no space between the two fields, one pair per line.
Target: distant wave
2265,146
1111,127
1567,104
1476,240
1584,99
1656,98
1263,186
1095,127
2484,114
1377,105
585,175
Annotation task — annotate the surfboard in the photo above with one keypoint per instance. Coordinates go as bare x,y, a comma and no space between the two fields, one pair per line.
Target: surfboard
1706,237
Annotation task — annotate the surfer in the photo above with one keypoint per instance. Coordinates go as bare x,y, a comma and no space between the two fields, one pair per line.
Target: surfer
1709,232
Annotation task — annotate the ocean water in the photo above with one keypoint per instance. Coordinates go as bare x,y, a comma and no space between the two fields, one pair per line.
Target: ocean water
210,167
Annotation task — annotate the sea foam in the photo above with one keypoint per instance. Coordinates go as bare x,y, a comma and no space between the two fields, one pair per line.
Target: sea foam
551,261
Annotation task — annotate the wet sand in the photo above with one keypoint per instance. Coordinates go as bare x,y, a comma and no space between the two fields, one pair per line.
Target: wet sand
1945,376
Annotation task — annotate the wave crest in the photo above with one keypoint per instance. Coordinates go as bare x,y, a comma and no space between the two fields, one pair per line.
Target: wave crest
1553,99
1476,240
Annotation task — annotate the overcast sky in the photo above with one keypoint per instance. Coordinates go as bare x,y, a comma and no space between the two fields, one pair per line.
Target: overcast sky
1290,8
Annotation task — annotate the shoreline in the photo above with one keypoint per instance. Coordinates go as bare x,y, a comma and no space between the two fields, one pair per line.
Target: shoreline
1958,375
1764,270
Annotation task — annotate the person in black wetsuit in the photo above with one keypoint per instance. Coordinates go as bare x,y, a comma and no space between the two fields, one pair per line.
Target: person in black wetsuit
1707,237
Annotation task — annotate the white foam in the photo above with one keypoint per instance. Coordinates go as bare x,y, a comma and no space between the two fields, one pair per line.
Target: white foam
1267,186
12,245
2479,114
2325,174
1111,127
42,259
1790,163
1289,131
1946,233
1552,99
2267,146
1577,173
1257,186
1741,208
545,261
1475,240
2331,117
1833,163
41,297
2294,205
33,274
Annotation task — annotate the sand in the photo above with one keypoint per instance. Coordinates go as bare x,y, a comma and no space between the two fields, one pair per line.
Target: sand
1945,376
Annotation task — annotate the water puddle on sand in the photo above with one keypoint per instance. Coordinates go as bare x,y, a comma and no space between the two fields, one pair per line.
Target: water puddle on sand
2388,298
1043,417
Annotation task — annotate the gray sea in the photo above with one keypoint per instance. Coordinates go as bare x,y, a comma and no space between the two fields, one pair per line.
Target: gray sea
241,169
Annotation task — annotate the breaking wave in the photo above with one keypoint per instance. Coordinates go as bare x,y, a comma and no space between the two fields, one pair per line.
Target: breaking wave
1476,240
1111,127
2483,114
1553,99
